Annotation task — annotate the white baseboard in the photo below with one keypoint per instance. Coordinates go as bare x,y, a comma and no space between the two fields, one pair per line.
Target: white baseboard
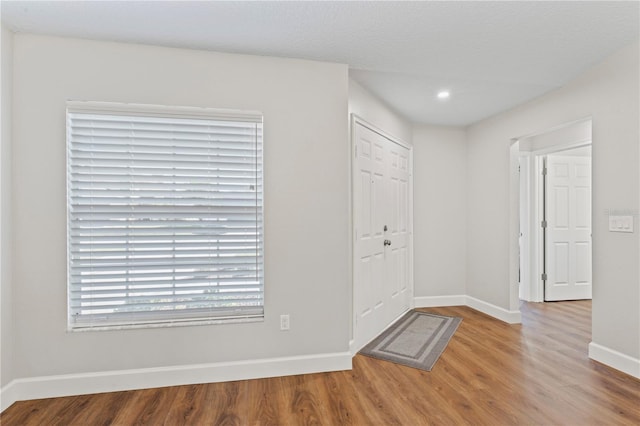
615,359
7,395
112,381
434,301
511,317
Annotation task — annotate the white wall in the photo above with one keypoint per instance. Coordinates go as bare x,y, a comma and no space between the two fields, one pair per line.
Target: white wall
376,112
6,311
440,211
569,134
609,93
306,207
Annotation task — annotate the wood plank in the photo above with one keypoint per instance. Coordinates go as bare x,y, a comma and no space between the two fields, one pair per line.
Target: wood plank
491,373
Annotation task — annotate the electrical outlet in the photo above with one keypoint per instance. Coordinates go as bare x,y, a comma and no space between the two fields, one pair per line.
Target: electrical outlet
284,322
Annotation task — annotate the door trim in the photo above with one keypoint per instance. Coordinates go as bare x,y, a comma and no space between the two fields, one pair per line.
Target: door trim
354,121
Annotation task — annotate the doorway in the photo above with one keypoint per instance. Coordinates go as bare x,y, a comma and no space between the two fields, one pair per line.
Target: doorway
382,225
555,214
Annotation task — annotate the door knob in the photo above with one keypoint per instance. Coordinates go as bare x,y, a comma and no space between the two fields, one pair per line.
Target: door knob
387,242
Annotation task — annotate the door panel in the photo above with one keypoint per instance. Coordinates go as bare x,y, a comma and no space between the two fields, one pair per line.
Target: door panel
381,199
364,303
561,262
365,200
583,208
568,234
404,270
399,236
583,263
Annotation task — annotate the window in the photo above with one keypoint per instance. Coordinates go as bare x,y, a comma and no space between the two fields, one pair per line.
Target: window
165,221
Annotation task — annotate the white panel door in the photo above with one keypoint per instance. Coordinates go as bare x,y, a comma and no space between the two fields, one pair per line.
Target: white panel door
382,233
397,234
568,234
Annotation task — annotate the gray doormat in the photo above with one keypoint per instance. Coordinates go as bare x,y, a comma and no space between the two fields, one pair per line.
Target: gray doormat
415,340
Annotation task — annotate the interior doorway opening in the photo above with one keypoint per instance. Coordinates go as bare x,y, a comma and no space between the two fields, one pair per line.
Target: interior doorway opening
555,214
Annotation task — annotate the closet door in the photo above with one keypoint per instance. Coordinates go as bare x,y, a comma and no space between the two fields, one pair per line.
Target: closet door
381,231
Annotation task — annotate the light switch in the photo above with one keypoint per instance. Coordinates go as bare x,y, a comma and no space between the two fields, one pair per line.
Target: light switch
621,223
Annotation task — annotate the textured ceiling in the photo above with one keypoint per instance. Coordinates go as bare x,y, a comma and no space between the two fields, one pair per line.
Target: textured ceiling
491,56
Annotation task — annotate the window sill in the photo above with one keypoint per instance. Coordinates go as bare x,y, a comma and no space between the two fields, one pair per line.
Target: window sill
165,324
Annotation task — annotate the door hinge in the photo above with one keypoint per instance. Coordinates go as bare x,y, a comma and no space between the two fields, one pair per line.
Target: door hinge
543,224
544,277
544,171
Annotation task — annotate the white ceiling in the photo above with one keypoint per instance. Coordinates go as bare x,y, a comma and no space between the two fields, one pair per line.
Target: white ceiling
490,55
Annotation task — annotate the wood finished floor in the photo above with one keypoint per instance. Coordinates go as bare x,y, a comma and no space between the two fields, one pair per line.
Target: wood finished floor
491,373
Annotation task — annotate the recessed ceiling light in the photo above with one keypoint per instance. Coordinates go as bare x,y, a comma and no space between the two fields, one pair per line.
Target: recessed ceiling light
443,94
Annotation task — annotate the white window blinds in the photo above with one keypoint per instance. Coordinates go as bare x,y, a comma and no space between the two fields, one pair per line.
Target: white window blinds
164,215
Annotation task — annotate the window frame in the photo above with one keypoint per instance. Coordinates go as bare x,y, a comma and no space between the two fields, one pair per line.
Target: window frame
188,317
